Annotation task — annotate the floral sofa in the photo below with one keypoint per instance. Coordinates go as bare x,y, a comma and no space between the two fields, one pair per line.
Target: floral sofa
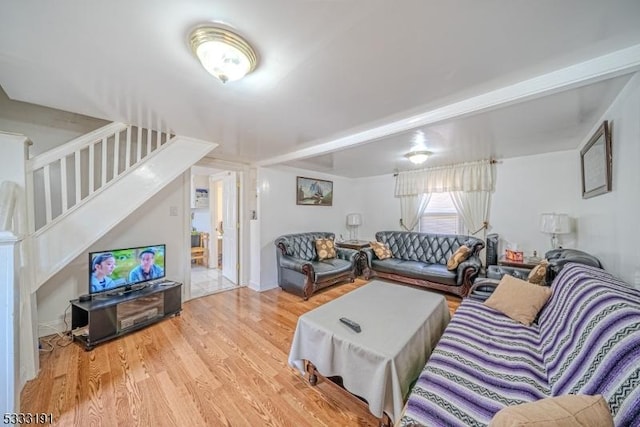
586,341
421,259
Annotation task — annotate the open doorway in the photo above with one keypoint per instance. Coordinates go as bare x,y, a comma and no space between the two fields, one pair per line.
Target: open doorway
214,231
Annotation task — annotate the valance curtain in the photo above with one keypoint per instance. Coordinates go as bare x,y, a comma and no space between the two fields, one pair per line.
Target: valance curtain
469,184
474,176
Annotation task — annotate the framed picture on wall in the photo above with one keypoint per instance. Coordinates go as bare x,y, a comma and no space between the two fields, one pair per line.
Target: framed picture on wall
595,160
314,192
201,198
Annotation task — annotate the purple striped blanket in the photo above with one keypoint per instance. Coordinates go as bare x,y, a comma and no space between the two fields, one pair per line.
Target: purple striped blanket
586,341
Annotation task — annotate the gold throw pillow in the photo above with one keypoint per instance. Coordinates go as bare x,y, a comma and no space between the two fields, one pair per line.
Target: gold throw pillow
457,257
325,249
560,411
381,249
518,299
538,273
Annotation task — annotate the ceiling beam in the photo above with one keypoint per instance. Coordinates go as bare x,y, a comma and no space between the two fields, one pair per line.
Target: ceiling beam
604,67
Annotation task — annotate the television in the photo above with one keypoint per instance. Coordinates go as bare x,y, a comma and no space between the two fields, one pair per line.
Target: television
126,269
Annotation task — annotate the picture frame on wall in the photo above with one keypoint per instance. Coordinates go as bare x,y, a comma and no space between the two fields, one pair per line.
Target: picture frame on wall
596,163
314,192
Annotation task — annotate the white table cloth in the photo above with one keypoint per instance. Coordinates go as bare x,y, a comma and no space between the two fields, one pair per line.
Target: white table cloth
400,327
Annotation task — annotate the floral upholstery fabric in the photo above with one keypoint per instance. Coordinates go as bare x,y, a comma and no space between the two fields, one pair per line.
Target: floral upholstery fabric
325,249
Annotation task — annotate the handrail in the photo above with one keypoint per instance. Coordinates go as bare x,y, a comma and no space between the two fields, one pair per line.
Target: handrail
74,145
65,177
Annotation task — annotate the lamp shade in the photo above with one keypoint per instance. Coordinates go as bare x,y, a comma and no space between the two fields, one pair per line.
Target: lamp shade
553,223
354,219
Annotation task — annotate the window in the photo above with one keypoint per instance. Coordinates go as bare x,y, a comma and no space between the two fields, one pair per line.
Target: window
440,216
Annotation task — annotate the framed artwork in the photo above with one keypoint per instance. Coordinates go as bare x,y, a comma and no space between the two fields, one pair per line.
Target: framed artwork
596,163
314,192
201,198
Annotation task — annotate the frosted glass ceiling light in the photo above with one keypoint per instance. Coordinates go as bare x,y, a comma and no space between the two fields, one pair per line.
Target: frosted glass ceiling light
418,157
224,54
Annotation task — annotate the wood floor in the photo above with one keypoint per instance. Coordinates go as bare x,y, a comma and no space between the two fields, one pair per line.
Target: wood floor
223,362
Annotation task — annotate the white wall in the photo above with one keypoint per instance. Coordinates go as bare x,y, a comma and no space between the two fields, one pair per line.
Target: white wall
608,225
531,185
150,224
605,226
46,127
278,213
380,210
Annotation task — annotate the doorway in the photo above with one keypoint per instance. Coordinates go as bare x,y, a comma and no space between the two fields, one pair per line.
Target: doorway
214,234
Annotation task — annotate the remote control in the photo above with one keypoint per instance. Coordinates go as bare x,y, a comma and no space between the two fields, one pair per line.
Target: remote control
350,323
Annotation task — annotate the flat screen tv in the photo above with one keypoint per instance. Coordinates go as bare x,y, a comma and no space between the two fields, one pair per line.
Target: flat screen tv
125,268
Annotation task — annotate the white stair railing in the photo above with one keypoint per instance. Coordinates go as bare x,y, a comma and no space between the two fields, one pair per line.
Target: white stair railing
64,177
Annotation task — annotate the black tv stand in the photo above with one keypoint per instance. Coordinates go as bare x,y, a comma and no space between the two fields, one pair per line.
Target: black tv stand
109,316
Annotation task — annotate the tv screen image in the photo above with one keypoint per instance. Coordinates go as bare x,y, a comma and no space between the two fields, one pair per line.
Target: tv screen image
124,268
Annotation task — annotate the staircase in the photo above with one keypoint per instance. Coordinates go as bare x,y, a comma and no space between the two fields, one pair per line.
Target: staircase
79,191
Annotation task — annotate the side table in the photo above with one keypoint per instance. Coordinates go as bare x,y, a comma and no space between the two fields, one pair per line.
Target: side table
353,244
527,263
358,245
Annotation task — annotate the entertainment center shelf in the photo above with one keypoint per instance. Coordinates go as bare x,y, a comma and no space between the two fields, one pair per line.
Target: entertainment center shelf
106,317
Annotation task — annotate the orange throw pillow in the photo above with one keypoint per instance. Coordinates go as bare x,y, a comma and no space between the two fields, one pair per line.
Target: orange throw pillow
519,300
325,249
457,257
381,249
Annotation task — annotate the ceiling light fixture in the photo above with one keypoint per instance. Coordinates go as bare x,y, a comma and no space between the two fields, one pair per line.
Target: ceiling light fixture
224,54
418,157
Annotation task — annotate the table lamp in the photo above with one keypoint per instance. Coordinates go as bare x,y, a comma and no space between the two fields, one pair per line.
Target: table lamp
554,224
353,222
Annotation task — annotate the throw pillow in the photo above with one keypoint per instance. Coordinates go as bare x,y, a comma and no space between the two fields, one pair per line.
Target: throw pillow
518,299
457,257
325,249
538,273
381,249
561,411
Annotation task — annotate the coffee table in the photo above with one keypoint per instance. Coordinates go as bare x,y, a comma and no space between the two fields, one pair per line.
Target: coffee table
400,327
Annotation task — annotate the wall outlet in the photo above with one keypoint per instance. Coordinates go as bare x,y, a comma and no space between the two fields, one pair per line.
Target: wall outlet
173,211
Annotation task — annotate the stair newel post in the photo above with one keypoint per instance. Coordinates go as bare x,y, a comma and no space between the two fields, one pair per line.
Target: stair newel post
18,360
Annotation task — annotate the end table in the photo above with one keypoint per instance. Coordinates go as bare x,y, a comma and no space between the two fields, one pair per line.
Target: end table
358,245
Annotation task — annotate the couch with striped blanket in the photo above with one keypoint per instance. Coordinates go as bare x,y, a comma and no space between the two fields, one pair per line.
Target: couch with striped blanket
586,341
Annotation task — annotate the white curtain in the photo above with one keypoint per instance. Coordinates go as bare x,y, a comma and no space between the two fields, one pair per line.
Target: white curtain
473,207
411,209
474,176
469,184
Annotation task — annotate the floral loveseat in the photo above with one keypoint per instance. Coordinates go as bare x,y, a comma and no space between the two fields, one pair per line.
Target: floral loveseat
421,259
586,341
301,272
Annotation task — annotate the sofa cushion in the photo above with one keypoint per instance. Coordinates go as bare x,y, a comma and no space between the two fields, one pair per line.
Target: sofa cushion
325,249
520,300
381,249
458,256
330,268
560,411
416,269
538,273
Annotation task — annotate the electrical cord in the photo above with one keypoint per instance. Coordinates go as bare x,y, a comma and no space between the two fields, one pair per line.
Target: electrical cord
60,339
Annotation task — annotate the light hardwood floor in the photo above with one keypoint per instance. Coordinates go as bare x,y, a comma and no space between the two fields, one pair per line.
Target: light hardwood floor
223,362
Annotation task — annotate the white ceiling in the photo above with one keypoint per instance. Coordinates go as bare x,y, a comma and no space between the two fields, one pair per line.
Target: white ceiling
341,85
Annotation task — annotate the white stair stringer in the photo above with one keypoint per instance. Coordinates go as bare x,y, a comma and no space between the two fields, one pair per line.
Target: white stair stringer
58,244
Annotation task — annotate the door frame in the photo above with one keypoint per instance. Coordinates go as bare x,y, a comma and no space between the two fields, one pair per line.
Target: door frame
215,167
